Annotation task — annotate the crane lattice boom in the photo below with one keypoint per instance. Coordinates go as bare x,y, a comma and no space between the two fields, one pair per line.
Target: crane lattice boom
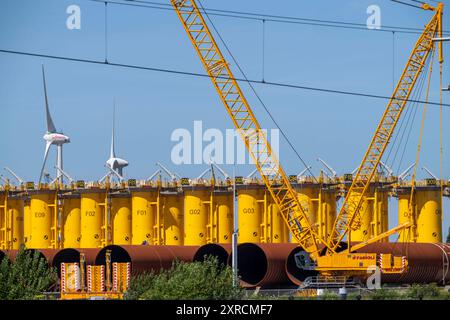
249,129
349,217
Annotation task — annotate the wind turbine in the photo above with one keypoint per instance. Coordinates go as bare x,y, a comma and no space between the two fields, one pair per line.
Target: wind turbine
114,164
52,137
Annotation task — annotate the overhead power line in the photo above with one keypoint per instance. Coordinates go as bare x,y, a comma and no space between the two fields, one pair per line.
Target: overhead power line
203,75
269,17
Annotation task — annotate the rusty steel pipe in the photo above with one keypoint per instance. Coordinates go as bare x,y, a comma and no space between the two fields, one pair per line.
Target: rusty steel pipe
47,254
428,262
221,251
263,264
145,258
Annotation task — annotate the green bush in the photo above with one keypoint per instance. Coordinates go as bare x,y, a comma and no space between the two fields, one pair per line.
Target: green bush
428,291
207,280
25,278
448,235
328,295
385,294
139,284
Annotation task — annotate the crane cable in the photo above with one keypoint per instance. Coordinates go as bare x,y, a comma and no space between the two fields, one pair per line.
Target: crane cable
419,144
441,137
257,95
405,125
416,107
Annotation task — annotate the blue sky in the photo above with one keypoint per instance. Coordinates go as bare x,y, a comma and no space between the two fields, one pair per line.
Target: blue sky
151,105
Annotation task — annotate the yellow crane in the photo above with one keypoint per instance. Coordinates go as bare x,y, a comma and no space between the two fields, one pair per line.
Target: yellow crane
319,254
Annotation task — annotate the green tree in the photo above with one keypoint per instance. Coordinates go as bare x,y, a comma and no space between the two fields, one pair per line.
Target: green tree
139,284
385,294
448,235
207,280
25,278
427,291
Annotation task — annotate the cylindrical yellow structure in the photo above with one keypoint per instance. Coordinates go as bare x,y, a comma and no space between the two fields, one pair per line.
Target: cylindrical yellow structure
15,215
26,222
366,217
196,213
404,215
429,214
92,216
327,212
250,214
223,213
278,230
3,219
143,215
42,208
121,219
380,213
426,214
71,227
308,196
172,214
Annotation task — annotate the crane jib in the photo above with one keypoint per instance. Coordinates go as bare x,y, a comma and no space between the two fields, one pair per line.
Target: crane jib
245,121
349,216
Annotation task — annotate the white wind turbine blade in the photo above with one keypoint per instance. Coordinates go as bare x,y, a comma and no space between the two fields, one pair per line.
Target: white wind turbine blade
50,125
47,147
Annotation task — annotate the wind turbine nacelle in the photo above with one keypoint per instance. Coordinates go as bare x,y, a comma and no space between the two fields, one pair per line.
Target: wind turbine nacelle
115,163
56,138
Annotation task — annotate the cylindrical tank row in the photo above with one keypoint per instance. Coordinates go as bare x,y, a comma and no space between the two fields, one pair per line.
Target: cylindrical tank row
425,213
198,215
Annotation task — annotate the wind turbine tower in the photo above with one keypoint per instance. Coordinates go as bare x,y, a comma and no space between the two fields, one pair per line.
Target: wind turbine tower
52,137
114,164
